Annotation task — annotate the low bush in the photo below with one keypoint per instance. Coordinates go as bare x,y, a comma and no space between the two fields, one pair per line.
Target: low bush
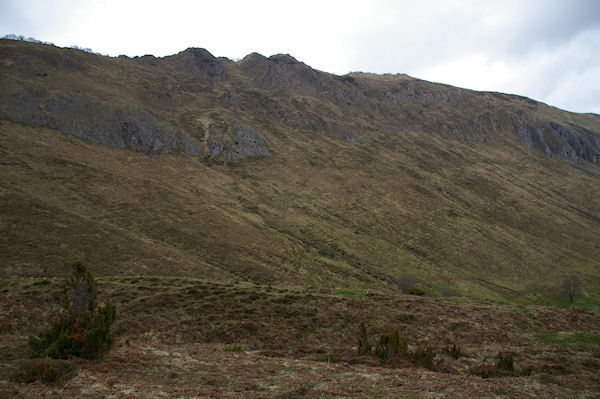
415,291
505,362
364,347
503,367
454,351
6,328
485,370
47,371
392,350
424,356
83,329
390,346
332,358
233,348
526,371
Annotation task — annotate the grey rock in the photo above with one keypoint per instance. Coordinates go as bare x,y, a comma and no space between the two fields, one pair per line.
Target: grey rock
246,144
264,71
573,143
532,137
284,58
98,122
114,127
22,106
358,96
282,71
202,61
337,93
191,145
387,96
216,144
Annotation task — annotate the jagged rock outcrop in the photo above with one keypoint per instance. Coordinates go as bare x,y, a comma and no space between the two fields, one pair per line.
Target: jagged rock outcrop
198,61
282,71
21,106
216,143
99,122
163,97
554,139
246,144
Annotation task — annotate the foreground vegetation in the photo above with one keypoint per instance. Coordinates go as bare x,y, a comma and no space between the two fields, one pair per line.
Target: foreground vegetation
190,337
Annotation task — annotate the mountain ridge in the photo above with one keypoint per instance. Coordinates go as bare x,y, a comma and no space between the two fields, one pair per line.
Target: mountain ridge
547,135
573,142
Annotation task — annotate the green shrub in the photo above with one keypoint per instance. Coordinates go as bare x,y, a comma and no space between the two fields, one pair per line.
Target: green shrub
526,371
6,328
390,346
332,358
505,362
364,347
83,329
47,371
233,348
415,291
504,367
454,351
485,370
424,356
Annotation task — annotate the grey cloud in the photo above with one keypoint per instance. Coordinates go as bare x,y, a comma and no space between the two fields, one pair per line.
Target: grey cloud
547,24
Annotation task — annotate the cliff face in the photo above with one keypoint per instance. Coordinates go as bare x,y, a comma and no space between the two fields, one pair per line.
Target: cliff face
574,143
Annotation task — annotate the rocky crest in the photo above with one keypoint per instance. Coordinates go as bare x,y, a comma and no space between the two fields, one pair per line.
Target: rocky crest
573,142
165,96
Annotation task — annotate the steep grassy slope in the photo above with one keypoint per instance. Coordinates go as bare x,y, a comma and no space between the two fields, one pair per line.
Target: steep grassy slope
269,171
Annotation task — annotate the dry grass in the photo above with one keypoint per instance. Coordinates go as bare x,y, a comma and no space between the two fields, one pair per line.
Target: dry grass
126,213
171,335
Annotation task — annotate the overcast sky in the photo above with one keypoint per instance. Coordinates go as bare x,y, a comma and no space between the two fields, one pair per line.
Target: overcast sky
548,50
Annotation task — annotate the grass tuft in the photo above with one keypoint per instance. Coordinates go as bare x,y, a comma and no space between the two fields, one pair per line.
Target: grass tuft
46,371
568,338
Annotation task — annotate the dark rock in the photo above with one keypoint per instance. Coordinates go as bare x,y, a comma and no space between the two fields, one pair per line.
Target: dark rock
199,60
281,71
147,59
30,67
347,79
216,144
22,106
246,144
553,139
228,99
261,69
284,58
105,124
114,127
191,145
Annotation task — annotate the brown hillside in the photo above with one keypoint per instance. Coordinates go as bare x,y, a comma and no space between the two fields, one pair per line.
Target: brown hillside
270,171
